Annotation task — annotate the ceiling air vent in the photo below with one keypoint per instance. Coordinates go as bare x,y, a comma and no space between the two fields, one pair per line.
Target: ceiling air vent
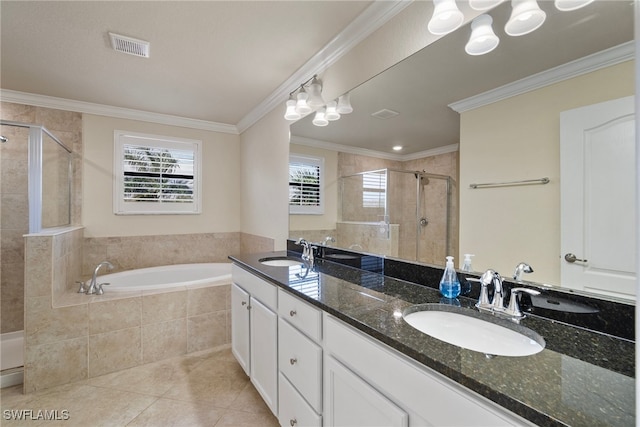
129,45
385,114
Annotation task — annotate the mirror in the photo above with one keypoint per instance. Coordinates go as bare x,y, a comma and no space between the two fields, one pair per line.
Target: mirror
422,87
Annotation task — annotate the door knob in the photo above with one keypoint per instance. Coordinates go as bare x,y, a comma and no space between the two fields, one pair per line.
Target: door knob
572,258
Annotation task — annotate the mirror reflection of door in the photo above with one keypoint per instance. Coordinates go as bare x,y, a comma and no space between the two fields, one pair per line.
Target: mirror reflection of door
597,158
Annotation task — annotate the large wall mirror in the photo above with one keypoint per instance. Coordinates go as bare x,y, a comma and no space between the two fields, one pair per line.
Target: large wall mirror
496,118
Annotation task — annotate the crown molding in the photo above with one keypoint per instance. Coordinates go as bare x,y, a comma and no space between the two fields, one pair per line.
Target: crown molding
110,111
374,17
599,60
316,143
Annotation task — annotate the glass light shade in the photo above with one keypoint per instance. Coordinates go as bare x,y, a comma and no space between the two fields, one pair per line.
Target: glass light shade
315,94
569,5
332,111
526,17
291,113
484,4
320,118
483,39
344,104
446,17
301,104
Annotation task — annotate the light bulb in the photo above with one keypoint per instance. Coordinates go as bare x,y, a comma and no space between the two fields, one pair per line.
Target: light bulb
344,104
332,111
320,119
483,39
446,17
526,17
291,113
315,94
301,104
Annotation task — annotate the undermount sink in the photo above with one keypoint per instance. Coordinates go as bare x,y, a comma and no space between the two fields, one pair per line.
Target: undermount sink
282,261
464,328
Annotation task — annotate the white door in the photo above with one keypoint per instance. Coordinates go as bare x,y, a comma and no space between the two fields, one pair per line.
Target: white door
351,402
264,353
597,156
240,326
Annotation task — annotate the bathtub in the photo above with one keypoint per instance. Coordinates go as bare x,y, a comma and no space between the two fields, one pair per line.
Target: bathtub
165,277
11,358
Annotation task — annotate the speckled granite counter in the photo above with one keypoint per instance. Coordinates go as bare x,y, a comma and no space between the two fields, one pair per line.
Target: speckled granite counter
581,378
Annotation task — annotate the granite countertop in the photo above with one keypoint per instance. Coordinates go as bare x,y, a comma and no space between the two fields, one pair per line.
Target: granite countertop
581,378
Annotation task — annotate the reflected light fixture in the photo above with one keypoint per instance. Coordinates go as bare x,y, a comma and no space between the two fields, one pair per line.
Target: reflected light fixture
397,148
483,39
446,17
344,104
332,111
526,16
568,5
291,113
484,4
301,104
320,119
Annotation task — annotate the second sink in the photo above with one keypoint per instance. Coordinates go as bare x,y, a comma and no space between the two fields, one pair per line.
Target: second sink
464,328
280,261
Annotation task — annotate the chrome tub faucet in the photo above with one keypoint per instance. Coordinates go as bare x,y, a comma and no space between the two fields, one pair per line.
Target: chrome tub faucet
94,287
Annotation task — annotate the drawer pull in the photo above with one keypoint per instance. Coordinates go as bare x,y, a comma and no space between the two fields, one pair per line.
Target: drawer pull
293,360
293,422
292,313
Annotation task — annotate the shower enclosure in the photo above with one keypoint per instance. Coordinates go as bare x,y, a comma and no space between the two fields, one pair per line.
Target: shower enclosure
35,195
398,213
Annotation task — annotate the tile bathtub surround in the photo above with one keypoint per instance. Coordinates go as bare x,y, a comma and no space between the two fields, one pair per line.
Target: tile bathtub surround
202,389
132,252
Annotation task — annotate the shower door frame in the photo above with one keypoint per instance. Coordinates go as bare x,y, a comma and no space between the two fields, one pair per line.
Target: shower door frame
34,168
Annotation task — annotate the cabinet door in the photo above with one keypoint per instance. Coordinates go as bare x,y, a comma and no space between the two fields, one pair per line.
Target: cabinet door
264,353
240,345
350,401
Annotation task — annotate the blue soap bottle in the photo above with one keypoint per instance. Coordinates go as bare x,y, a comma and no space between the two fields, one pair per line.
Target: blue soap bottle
449,284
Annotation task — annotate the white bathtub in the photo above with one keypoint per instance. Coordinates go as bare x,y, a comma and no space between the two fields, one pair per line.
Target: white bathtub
168,276
11,358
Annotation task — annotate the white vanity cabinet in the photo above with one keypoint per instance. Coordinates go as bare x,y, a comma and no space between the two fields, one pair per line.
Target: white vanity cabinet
366,380
299,361
254,332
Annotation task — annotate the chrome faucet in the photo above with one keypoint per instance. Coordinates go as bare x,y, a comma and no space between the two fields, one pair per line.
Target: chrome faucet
328,240
497,305
94,288
523,267
307,251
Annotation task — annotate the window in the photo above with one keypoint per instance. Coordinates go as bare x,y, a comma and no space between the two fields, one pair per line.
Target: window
156,174
374,189
306,195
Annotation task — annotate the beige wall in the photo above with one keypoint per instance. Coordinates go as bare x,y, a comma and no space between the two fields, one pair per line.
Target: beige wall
220,176
515,139
330,216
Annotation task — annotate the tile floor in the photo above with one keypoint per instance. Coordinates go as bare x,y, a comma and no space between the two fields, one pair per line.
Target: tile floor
201,389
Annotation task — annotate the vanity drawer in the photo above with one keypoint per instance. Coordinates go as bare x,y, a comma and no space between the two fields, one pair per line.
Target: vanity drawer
300,360
303,316
294,411
263,291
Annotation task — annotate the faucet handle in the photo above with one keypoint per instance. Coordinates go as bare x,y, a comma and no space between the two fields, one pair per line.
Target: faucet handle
81,287
99,290
514,307
483,301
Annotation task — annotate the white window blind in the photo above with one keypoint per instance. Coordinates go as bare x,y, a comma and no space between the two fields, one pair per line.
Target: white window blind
306,175
156,175
374,186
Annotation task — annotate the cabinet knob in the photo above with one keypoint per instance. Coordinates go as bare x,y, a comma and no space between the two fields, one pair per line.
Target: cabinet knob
292,313
243,303
293,360
293,422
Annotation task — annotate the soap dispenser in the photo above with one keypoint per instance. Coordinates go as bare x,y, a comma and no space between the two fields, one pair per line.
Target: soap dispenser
449,284
465,286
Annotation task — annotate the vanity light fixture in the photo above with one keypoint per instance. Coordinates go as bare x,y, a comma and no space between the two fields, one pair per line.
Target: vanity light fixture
320,119
315,94
484,4
332,111
302,107
304,102
526,16
344,104
291,113
446,17
568,5
483,39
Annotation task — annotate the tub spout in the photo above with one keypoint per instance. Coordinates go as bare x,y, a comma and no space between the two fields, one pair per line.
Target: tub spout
93,286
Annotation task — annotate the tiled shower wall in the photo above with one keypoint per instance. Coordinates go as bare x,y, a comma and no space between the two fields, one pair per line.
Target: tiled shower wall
66,126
